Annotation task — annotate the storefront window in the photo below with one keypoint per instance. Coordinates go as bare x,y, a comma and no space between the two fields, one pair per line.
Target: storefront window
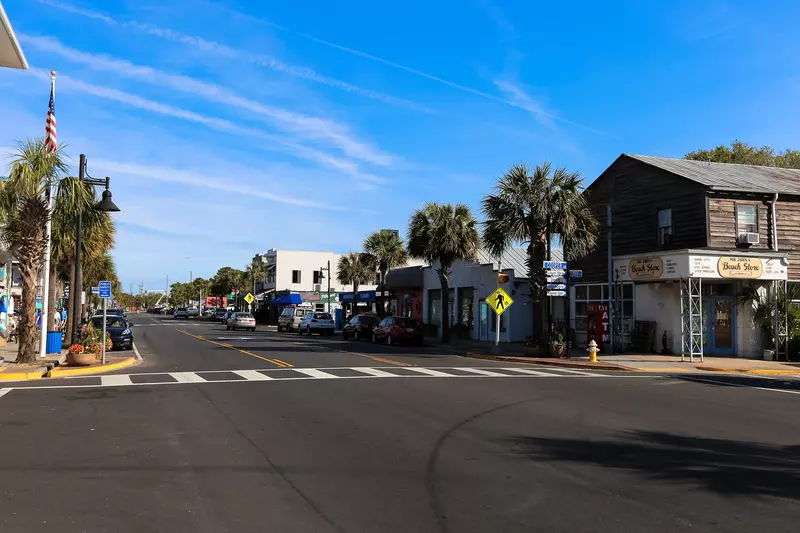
435,307
595,292
465,297
599,293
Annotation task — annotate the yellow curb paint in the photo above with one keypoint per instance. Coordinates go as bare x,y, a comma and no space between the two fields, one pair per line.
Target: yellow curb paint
231,347
20,376
776,372
555,363
664,369
59,372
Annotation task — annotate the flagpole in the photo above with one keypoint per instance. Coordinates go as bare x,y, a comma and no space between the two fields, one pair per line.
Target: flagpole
46,267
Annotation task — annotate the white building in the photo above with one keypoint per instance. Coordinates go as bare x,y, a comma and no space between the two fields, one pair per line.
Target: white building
470,285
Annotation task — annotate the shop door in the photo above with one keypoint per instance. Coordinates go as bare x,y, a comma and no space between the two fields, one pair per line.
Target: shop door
721,325
483,330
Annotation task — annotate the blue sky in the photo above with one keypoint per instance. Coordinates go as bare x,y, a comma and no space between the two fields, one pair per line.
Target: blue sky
232,127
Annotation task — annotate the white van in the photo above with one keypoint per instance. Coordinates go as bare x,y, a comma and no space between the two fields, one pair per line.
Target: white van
292,316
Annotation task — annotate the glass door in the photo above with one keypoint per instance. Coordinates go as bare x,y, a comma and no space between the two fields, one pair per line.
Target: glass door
484,320
721,325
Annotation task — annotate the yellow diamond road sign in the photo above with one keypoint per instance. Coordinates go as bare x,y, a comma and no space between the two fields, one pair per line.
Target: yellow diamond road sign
249,298
499,301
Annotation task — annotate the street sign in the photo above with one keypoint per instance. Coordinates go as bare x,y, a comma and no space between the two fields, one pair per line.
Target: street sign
576,273
556,279
95,290
556,286
556,293
249,298
558,265
104,289
555,272
499,301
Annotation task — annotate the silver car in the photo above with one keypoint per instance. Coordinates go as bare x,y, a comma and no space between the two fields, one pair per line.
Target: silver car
241,321
321,323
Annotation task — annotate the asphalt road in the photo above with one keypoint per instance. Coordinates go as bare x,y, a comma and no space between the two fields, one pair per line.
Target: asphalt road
219,431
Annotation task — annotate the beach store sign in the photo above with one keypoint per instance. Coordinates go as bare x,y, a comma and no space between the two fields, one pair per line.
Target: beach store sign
681,265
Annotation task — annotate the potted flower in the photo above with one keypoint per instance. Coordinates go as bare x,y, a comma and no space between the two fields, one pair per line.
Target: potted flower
557,346
78,356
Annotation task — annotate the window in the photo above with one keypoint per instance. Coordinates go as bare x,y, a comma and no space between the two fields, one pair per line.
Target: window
466,296
599,293
295,276
664,227
747,218
271,274
435,307
317,277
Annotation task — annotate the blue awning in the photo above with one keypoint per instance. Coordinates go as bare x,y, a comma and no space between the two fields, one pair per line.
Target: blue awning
287,299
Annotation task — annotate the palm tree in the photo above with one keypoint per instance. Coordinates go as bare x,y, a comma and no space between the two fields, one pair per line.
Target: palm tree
23,214
443,234
256,271
389,252
531,208
357,269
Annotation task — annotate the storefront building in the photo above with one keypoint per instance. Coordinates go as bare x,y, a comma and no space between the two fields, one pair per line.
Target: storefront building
689,238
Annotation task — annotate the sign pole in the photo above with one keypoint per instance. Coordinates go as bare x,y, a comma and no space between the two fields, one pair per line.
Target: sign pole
499,317
104,331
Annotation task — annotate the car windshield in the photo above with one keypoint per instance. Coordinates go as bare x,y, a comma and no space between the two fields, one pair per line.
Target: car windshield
406,322
181,309
111,322
367,319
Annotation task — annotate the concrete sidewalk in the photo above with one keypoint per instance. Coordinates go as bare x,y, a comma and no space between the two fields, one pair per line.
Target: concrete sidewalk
11,371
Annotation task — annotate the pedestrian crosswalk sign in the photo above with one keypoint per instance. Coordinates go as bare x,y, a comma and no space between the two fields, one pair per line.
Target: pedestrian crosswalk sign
249,298
499,301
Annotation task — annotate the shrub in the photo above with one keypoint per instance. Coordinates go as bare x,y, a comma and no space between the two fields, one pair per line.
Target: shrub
76,349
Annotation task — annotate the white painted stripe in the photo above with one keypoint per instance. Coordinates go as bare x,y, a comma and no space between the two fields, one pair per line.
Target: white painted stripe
579,372
251,375
530,372
5,391
136,351
187,377
109,381
430,372
375,372
314,373
484,372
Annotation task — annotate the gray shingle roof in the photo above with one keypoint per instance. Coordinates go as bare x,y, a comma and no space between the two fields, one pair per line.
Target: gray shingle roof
727,176
516,258
405,277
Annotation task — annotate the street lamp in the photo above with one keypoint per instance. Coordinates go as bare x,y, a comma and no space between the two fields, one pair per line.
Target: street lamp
105,204
321,277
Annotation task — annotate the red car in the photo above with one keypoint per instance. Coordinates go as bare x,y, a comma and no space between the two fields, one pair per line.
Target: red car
397,329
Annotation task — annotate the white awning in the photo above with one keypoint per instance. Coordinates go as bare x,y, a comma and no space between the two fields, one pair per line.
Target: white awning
11,55
763,265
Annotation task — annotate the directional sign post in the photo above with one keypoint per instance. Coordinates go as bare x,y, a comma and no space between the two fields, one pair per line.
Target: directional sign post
95,290
104,288
249,298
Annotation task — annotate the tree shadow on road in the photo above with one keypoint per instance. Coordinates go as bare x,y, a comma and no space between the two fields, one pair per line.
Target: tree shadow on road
728,467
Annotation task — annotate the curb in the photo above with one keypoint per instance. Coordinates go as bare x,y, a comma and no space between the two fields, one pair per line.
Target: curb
555,362
88,370
756,371
23,376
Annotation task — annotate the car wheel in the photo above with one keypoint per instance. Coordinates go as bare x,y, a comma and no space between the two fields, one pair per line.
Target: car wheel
356,336
308,331
279,328
374,339
299,331
344,335
389,339
252,329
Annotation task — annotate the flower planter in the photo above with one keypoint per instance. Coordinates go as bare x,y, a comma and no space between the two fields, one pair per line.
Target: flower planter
557,349
81,359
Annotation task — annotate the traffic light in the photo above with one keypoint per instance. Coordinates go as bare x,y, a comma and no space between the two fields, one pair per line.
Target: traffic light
502,278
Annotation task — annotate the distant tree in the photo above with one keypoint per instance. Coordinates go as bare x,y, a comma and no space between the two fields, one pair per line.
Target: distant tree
443,233
389,252
742,153
355,269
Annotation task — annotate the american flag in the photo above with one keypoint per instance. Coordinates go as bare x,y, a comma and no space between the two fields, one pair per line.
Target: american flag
50,125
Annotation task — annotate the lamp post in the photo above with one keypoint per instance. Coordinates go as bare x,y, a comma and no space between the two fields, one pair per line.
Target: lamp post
105,204
322,276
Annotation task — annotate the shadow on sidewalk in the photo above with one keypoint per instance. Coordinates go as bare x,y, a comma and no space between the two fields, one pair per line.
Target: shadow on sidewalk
732,468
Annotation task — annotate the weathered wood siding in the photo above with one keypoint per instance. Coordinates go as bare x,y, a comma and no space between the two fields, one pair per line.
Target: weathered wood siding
723,228
787,221
637,192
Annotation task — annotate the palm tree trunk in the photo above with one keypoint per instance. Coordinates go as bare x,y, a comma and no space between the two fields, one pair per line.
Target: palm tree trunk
69,325
445,301
355,299
382,300
535,258
27,322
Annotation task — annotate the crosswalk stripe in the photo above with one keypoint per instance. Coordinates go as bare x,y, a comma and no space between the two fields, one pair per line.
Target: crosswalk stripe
484,372
314,373
530,372
123,379
375,372
187,377
580,372
252,375
430,372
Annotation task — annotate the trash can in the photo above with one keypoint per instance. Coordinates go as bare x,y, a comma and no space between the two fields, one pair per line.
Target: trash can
53,342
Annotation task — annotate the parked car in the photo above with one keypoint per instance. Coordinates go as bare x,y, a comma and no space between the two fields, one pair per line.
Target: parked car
314,322
360,327
291,317
210,312
219,315
181,312
171,311
397,329
228,314
110,312
193,311
118,329
241,321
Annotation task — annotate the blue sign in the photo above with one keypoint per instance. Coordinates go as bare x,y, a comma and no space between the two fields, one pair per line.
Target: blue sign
95,290
105,289
554,265
38,298
576,273
363,296
556,286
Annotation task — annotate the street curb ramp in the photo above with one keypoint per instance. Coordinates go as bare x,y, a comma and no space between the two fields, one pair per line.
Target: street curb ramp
59,372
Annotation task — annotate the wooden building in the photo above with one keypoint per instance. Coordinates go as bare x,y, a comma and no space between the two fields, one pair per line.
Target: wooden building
687,236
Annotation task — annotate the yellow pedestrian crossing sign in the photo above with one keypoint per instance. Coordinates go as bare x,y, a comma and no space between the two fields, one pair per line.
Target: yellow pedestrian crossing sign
249,298
499,301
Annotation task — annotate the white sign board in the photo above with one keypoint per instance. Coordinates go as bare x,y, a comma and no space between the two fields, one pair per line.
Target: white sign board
673,266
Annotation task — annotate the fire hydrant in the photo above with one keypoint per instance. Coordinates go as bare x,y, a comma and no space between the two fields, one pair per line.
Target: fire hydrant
592,351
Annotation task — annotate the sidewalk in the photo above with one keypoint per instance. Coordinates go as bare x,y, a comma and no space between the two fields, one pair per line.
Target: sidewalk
11,371
636,362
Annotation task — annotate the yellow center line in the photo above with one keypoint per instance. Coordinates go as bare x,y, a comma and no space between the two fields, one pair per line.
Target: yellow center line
230,346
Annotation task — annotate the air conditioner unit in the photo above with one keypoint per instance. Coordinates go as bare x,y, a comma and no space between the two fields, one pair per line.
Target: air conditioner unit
748,238
317,287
